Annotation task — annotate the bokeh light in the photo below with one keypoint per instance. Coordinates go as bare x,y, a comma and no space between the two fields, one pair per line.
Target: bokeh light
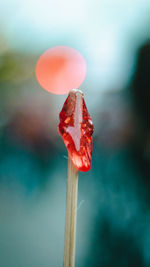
60,69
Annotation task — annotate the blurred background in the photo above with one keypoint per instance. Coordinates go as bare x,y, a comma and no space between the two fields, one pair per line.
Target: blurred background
113,227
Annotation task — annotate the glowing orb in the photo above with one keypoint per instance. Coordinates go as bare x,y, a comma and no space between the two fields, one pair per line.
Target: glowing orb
60,69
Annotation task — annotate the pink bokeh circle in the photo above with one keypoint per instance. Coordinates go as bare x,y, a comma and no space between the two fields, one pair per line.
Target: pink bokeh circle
60,69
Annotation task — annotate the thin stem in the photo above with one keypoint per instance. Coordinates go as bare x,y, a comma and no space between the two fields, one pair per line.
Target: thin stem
71,211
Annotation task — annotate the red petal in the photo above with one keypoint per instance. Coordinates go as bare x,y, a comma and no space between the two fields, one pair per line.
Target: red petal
76,129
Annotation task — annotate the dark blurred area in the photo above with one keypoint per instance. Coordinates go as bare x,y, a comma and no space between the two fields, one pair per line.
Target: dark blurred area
121,231
113,226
